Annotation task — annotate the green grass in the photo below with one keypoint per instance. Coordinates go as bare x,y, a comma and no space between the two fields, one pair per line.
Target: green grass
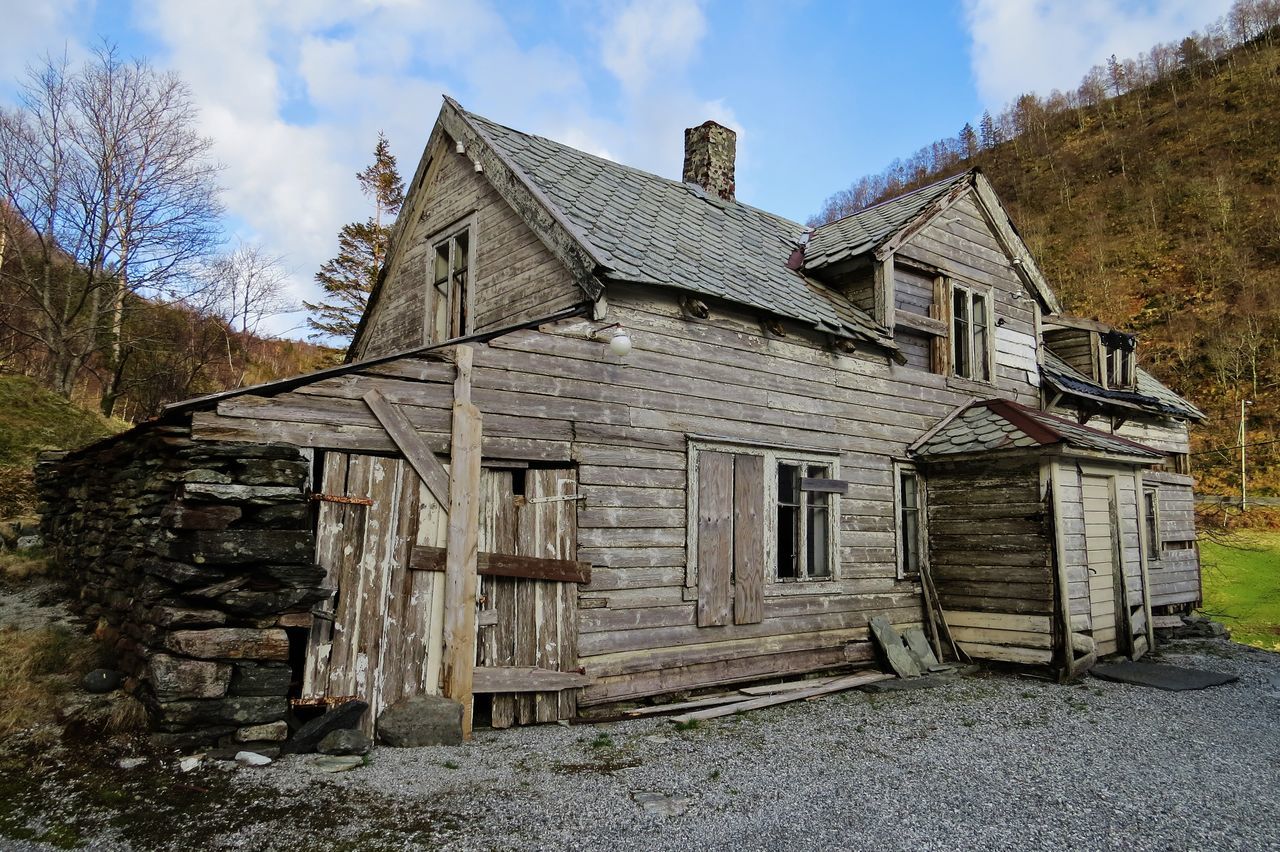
33,419
1242,586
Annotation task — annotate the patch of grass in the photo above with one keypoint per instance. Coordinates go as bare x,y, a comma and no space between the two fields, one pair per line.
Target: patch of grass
1242,586
449,764
36,666
602,741
715,774
688,725
34,419
17,567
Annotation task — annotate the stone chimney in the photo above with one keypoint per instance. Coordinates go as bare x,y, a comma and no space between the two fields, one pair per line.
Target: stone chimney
709,152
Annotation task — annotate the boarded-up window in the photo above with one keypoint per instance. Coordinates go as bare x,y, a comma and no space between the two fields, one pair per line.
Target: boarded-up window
752,508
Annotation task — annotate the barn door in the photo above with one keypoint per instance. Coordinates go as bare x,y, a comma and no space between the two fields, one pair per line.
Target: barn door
379,636
731,547
526,622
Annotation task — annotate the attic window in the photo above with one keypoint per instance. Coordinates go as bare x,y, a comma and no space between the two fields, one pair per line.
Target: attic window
450,316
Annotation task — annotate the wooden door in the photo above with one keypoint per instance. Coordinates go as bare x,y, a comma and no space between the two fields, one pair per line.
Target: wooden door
1100,548
528,622
379,636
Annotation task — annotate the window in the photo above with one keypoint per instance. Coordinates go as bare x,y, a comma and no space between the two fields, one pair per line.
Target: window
1151,501
449,314
911,534
970,333
758,517
804,522
1117,367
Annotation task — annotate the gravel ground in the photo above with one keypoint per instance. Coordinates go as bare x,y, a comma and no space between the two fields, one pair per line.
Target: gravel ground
990,761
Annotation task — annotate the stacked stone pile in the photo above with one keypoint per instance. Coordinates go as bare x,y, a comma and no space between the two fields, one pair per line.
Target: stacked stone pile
191,556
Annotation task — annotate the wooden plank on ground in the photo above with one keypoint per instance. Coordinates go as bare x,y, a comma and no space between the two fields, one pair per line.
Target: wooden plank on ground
666,709
838,685
525,679
789,686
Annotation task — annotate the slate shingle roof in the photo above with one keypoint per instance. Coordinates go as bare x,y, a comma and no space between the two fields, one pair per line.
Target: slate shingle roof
644,228
998,424
1150,395
862,231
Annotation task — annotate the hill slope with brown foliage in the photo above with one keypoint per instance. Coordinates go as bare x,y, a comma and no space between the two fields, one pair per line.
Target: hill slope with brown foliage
1158,210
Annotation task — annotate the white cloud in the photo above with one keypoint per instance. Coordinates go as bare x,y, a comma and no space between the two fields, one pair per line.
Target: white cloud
1020,46
31,30
649,38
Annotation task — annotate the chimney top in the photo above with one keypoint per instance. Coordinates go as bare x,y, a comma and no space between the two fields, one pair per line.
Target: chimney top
709,153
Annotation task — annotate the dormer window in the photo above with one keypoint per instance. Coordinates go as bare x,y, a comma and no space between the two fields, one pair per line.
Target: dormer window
1117,360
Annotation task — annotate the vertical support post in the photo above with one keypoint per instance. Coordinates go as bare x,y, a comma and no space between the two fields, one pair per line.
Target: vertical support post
884,291
462,544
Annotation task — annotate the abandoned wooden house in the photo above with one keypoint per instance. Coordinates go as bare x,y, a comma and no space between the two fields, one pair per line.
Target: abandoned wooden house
603,436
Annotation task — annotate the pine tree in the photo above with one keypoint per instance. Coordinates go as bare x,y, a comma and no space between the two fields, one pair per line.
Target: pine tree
988,129
348,278
968,141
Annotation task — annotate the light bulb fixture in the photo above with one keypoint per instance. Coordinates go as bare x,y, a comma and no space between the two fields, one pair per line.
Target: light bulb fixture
460,148
619,343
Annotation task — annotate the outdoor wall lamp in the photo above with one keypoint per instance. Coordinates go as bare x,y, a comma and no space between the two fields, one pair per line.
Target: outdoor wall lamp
620,342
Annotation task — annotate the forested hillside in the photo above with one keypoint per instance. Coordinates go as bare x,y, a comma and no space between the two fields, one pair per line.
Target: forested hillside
1151,199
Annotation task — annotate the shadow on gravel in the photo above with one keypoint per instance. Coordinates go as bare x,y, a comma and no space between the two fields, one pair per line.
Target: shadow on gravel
69,794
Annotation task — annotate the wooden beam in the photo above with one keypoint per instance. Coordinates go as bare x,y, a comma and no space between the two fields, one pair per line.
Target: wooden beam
462,545
824,486
507,565
525,679
411,445
837,685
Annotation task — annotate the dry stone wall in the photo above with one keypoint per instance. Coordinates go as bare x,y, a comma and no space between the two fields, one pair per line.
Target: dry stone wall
192,557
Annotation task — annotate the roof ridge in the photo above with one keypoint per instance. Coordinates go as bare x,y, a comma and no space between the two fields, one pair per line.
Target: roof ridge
949,181
633,169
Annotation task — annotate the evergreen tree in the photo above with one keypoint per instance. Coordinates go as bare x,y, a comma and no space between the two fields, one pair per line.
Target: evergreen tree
968,141
988,130
348,278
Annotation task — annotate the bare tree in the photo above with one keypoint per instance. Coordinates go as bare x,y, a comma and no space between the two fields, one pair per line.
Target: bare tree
112,195
247,287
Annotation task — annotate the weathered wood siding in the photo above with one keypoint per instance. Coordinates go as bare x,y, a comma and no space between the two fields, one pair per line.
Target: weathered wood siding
1075,346
962,244
1071,522
1174,572
990,554
515,276
553,397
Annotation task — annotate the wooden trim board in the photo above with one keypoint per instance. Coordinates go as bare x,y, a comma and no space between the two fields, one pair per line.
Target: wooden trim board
426,558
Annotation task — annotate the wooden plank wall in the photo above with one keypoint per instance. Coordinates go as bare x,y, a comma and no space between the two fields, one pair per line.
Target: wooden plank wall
1075,346
515,276
961,243
990,554
1072,520
1174,573
625,423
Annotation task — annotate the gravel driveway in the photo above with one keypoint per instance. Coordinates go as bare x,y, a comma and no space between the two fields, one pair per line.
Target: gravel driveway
991,761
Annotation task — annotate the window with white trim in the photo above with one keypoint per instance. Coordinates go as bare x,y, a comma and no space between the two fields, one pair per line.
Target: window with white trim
758,517
970,332
909,507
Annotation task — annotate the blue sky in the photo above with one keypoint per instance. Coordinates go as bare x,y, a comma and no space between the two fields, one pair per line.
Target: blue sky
293,92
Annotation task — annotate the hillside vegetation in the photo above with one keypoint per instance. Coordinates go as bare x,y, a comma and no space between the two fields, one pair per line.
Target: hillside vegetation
1156,209
34,419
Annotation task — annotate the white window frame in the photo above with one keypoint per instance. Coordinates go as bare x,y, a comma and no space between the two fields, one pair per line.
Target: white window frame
1125,361
772,456
988,354
449,235
901,469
